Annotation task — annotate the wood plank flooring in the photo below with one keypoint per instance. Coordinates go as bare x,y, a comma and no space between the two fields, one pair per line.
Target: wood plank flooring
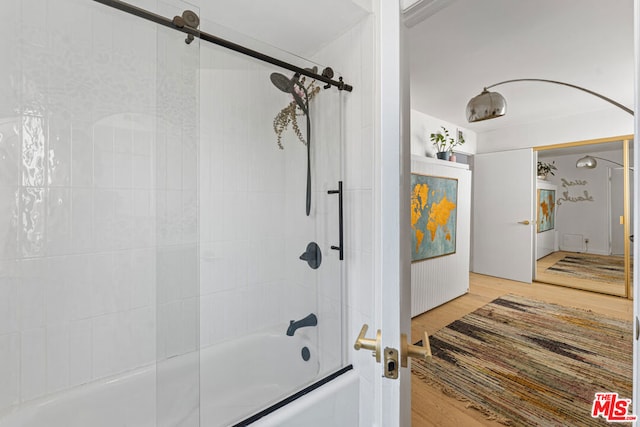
429,406
542,275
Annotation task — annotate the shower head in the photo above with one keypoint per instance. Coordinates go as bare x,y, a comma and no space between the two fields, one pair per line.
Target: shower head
287,84
282,82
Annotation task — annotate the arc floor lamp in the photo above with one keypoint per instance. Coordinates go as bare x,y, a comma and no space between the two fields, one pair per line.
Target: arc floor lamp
589,162
489,105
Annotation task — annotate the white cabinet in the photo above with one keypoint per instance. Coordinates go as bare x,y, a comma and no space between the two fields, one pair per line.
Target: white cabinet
435,281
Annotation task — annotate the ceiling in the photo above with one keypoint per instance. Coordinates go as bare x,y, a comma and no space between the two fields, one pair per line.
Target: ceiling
291,25
458,49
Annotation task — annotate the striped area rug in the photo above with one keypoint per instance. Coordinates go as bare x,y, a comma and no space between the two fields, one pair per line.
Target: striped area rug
528,363
592,267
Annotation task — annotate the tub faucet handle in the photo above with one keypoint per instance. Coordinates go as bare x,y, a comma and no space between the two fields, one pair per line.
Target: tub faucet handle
368,343
312,255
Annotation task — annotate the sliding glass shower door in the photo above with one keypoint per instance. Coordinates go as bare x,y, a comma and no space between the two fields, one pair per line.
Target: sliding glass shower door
176,230
171,220
271,284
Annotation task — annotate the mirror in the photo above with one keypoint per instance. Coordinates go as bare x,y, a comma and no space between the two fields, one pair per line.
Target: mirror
580,218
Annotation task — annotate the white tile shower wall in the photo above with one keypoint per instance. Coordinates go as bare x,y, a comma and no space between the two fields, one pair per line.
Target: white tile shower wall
78,199
242,199
353,55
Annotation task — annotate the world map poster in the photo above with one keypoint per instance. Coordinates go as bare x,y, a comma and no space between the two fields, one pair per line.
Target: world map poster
434,202
546,209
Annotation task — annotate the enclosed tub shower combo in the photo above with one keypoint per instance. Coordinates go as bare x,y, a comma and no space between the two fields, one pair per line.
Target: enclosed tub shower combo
171,220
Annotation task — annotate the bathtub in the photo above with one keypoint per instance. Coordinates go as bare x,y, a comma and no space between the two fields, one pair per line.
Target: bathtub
237,378
252,373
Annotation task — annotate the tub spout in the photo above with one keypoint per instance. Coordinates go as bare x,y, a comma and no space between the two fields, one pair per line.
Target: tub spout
310,320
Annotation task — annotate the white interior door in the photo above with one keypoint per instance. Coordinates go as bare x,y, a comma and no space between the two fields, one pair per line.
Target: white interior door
393,396
503,212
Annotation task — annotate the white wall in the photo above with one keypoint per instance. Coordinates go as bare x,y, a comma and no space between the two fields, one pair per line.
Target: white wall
598,124
438,280
590,219
423,125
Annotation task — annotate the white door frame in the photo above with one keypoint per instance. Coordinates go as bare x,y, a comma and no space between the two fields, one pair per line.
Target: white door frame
636,183
615,194
393,295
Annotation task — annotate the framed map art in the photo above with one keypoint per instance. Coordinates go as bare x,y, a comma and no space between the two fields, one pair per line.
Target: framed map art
546,210
434,202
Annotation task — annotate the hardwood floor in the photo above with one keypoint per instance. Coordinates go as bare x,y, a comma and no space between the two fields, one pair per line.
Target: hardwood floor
429,406
542,275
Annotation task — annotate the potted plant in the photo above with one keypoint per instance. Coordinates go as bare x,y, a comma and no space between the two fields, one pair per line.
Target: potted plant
459,141
444,143
544,169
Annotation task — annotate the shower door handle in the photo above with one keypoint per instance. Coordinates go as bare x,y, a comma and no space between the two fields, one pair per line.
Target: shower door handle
340,221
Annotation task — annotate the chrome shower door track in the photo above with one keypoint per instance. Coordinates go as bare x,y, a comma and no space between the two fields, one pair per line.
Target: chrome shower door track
161,20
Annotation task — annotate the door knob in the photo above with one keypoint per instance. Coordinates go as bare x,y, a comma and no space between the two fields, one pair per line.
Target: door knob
525,222
409,350
369,343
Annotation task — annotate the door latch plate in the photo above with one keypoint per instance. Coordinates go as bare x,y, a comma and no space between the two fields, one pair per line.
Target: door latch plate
391,365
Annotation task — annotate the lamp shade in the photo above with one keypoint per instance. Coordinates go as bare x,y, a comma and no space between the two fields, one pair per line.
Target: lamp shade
487,105
586,162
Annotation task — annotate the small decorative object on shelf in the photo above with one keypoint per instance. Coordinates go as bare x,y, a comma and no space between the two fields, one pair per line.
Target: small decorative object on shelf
444,143
545,169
